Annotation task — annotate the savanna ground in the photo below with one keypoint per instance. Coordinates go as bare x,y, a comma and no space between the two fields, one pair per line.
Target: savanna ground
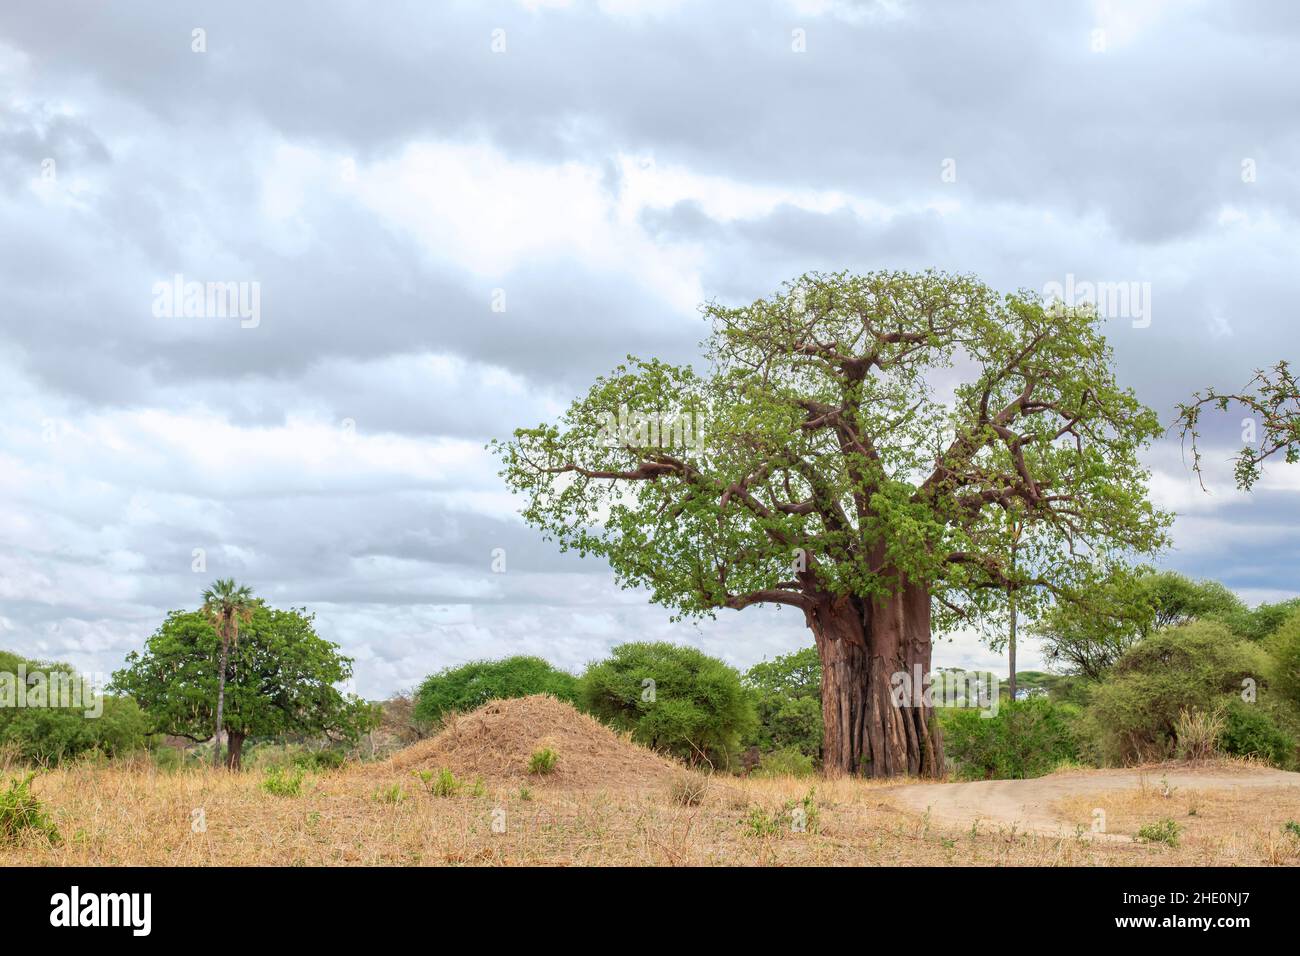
138,815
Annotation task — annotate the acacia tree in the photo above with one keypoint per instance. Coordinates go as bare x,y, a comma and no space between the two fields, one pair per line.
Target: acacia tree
1272,398
847,472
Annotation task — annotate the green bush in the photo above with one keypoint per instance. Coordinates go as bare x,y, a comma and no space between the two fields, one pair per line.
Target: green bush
1163,831
674,699
1283,645
47,734
471,685
787,695
1251,732
20,811
1199,667
283,783
320,759
786,762
1026,738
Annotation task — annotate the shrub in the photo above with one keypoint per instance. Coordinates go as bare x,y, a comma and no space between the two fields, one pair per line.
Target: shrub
542,761
787,697
49,734
1249,731
1164,831
674,699
1284,647
472,685
787,762
283,783
320,759
1026,738
20,811
1197,667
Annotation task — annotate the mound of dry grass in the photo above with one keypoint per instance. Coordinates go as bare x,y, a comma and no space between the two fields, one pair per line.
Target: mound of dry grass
497,741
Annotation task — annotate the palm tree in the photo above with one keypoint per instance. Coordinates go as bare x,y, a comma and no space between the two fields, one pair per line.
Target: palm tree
225,604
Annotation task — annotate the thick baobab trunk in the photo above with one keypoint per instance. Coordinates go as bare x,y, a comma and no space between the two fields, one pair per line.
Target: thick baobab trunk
869,650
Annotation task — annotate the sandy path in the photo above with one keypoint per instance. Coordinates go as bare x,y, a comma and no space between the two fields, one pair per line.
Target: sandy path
1027,803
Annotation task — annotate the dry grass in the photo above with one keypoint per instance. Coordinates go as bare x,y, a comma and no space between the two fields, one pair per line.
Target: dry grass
608,802
1216,827
120,816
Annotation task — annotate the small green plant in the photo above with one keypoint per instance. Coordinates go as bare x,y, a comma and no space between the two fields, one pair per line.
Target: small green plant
525,794
806,812
1164,831
20,810
443,783
283,783
688,790
393,794
542,761
1292,828
760,823
794,816
479,789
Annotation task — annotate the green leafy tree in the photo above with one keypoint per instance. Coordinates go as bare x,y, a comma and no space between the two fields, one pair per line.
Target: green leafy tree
1088,637
226,606
70,717
470,685
817,465
1272,399
787,693
674,699
1258,623
279,680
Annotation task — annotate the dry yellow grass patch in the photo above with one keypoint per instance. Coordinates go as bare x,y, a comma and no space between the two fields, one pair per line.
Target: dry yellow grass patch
138,816
1215,826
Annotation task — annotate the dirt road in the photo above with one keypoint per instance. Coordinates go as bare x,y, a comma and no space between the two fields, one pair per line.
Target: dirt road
1027,804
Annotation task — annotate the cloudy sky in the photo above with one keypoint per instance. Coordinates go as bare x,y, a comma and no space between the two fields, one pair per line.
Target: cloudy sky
455,215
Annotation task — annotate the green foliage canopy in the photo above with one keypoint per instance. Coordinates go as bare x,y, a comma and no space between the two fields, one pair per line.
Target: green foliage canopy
825,439
48,734
280,678
470,685
787,694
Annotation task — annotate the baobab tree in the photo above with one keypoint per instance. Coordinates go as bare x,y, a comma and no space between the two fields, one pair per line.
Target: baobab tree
853,451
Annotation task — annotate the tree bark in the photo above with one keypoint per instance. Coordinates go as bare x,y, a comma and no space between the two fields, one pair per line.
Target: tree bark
234,750
869,649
